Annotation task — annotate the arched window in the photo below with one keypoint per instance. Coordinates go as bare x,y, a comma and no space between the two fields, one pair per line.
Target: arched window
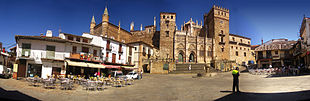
191,57
180,57
164,17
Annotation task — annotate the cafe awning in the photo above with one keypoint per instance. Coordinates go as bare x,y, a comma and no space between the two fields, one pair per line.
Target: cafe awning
129,67
112,66
92,65
79,64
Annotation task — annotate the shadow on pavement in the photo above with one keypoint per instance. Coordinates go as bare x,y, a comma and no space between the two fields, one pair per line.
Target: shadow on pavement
247,96
15,96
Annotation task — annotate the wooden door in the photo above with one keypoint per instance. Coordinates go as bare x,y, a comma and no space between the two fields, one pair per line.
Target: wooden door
113,58
21,71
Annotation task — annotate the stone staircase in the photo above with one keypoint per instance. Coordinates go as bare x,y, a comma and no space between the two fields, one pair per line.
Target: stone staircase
183,69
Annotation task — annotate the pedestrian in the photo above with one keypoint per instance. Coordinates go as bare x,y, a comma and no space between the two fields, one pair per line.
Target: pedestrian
141,72
236,74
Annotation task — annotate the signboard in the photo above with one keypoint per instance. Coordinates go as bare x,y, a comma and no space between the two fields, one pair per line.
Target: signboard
15,68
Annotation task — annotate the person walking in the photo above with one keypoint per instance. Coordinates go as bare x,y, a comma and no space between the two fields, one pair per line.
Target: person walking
236,74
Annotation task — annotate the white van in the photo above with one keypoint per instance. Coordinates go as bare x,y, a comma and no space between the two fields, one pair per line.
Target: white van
5,72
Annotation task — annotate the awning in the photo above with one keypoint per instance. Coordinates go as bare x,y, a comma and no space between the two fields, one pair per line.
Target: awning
92,65
112,66
73,63
129,67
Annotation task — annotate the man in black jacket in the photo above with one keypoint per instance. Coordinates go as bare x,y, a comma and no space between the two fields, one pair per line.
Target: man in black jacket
236,74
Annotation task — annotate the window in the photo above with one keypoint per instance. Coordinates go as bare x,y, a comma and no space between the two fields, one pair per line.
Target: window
222,38
167,33
248,42
236,53
233,38
73,49
164,17
130,51
120,48
50,48
26,49
222,49
236,47
26,46
78,39
108,44
95,53
167,17
135,48
50,52
244,54
107,55
171,17
241,40
232,47
218,13
70,38
167,22
85,40
222,32
119,57
85,49
240,48
244,49
276,52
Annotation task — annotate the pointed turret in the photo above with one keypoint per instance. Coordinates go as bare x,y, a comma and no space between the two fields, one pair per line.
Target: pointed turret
93,20
105,16
92,25
105,22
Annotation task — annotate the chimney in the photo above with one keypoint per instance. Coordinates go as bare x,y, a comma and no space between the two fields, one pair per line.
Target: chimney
49,33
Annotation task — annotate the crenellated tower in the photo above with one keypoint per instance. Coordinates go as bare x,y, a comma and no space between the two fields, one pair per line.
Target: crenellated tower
167,32
217,21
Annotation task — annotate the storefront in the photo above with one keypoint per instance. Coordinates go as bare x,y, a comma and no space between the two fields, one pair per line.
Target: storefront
84,69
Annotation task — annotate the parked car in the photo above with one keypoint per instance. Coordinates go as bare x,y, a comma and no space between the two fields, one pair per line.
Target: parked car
118,74
5,72
132,75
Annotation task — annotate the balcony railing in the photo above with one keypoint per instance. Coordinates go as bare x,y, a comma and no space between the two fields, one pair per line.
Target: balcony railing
84,56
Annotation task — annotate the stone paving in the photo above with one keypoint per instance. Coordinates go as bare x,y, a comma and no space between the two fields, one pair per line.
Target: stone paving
178,87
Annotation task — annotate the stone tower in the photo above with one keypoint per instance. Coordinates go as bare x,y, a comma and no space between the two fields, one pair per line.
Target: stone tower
105,22
217,21
167,32
92,25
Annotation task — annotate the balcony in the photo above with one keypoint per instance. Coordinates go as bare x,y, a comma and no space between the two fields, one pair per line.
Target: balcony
84,56
222,43
120,51
243,44
232,42
109,48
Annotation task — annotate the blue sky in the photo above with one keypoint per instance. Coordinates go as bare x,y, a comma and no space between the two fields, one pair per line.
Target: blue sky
256,19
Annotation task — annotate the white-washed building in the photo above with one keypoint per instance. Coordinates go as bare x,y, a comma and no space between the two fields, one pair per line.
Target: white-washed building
46,55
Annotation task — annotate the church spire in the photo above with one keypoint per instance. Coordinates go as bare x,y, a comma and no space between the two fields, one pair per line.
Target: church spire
93,19
105,16
106,11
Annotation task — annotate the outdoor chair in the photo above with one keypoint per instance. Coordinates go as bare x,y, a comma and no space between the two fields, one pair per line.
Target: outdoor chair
91,85
100,85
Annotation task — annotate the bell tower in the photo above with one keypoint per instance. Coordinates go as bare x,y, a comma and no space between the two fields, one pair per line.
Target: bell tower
217,21
167,32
